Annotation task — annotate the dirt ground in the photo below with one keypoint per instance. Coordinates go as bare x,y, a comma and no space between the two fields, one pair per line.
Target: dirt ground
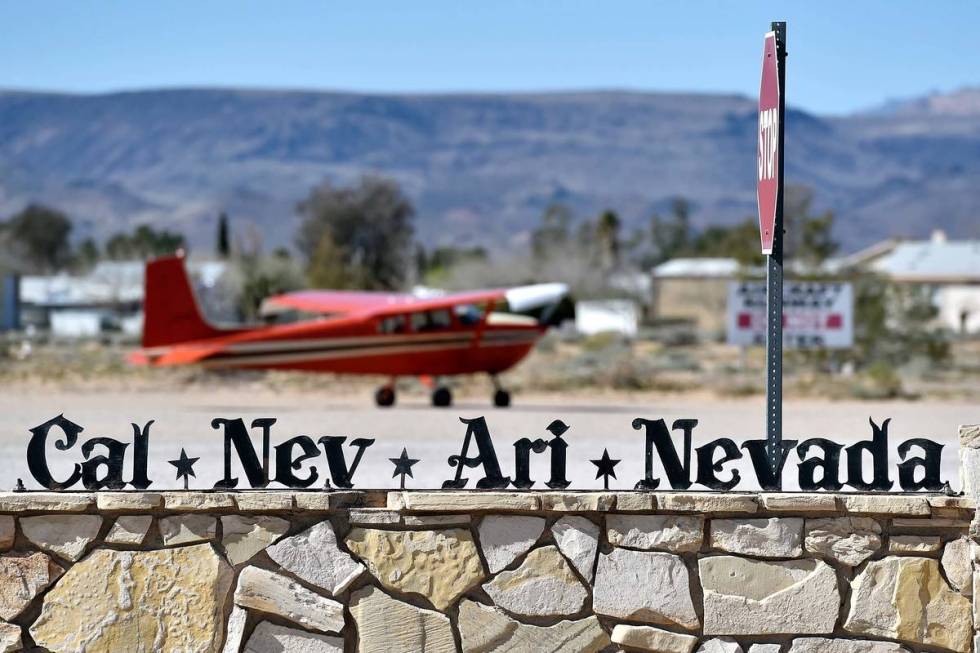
598,366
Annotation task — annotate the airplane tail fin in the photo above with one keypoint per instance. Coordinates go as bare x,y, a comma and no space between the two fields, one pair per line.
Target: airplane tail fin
170,311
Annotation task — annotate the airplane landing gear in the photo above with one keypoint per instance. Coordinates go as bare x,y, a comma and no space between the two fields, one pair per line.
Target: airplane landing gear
501,398
442,397
385,396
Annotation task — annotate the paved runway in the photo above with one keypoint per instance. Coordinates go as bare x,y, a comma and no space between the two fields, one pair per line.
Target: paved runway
432,435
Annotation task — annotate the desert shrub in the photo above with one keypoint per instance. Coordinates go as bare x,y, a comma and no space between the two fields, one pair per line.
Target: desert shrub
602,340
880,380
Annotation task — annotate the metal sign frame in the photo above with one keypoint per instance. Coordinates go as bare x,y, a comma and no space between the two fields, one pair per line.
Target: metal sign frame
816,314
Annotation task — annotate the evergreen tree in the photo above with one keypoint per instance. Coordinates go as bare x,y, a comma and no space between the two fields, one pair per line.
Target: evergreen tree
223,246
39,235
607,235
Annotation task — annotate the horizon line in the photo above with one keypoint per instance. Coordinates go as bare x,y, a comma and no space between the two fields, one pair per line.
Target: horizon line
459,93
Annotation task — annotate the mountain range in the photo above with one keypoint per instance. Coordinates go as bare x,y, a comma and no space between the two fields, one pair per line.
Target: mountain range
480,167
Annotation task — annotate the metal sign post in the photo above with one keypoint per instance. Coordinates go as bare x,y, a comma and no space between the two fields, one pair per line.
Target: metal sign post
772,111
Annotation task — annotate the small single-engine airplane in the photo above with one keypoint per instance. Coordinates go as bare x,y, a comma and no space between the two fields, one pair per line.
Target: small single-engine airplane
347,332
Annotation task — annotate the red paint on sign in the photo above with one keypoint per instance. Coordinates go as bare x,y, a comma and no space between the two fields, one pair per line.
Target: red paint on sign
768,153
835,321
744,320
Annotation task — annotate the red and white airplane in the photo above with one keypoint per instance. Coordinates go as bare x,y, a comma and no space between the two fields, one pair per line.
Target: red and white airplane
346,332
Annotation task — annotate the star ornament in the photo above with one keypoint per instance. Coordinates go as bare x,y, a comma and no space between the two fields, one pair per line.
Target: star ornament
185,467
605,467
403,466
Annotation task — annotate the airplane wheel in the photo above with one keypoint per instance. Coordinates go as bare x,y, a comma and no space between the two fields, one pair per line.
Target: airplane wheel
442,397
501,399
385,396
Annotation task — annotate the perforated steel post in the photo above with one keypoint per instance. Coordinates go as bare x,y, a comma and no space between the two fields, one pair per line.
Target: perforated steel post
774,282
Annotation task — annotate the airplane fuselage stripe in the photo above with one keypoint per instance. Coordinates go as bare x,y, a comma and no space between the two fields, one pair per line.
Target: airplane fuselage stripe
266,346
330,353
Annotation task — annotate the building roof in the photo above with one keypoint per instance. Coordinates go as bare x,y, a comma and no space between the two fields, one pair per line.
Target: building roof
109,282
862,257
65,290
697,267
936,260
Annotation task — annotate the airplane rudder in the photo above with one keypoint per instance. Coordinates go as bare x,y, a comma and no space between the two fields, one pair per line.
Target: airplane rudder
170,311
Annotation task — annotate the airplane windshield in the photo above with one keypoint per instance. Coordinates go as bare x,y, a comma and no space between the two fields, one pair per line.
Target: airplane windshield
468,314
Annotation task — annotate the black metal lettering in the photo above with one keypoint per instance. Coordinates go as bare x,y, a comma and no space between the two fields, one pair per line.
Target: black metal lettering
340,473
113,463
141,452
708,467
236,434
522,460
559,450
931,465
477,429
657,435
37,461
878,448
769,474
829,466
286,462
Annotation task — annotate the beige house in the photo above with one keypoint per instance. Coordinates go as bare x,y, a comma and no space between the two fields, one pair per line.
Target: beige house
695,290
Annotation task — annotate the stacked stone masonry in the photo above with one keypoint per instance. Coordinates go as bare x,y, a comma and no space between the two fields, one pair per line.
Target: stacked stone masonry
433,572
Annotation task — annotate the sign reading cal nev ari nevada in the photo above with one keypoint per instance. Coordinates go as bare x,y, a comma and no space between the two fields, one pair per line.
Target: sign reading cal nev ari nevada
815,314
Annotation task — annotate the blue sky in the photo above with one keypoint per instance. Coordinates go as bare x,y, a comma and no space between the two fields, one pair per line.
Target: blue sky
844,56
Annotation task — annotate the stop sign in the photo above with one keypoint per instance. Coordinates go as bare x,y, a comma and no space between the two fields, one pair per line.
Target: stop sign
768,161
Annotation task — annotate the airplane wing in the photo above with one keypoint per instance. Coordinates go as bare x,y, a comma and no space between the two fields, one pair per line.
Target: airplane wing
350,303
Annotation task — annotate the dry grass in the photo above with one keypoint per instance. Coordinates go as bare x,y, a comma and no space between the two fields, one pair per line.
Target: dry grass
602,365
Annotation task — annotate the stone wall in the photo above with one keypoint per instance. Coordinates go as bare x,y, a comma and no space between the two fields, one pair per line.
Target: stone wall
305,572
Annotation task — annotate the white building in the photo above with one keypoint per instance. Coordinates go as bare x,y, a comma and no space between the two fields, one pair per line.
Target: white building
607,315
949,269
109,299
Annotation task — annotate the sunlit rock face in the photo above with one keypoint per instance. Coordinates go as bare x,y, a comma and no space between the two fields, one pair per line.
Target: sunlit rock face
22,578
907,598
385,624
644,586
138,601
743,596
484,629
439,565
544,585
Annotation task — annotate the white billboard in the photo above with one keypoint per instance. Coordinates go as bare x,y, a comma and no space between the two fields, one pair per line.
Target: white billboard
816,314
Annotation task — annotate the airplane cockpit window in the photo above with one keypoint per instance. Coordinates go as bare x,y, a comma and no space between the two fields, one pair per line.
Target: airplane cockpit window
393,324
290,316
431,320
468,314
440,319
